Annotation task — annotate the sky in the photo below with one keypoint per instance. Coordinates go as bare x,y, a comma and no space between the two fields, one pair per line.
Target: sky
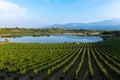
37,13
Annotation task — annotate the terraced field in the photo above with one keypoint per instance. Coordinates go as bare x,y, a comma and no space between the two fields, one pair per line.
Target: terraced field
60,61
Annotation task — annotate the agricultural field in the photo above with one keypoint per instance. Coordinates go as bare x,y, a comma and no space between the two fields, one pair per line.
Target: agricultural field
60,61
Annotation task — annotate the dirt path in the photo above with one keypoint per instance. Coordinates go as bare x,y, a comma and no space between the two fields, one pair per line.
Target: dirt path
109,71
40,76
56,75
82,74
71,73
97,73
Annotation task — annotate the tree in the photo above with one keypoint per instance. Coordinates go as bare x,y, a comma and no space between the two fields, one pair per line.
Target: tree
7,40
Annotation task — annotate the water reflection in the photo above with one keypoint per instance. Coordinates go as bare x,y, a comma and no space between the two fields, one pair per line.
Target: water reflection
54,38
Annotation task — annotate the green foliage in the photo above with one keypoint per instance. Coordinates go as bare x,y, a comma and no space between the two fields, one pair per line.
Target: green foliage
102,69
90,65
2,77
36,71
22,71
16,78
21,58
48,72
80,64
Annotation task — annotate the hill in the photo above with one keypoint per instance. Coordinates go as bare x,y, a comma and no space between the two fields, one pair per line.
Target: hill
113,24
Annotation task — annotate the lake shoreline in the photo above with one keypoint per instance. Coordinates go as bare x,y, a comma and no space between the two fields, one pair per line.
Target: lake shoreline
49,34
64,38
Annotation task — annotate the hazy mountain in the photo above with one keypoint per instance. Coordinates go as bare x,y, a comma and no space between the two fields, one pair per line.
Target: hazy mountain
113,24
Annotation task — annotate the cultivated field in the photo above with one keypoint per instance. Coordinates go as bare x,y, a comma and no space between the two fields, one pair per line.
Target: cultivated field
60,61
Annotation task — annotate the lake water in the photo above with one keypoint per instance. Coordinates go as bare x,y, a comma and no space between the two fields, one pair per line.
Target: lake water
55,39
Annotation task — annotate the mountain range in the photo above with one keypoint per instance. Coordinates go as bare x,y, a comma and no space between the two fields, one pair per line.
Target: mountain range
113,24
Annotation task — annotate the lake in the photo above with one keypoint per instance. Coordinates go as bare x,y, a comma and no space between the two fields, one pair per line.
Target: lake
55,39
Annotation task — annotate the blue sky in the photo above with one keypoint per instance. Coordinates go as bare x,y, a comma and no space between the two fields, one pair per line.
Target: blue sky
34,13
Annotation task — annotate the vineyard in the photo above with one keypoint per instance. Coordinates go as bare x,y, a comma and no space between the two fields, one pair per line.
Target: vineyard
60,61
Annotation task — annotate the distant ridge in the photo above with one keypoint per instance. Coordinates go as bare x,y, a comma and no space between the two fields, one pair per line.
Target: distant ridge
113,24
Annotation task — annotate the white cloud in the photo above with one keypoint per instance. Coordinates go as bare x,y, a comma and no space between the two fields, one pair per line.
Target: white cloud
113,10
103,12
10,10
